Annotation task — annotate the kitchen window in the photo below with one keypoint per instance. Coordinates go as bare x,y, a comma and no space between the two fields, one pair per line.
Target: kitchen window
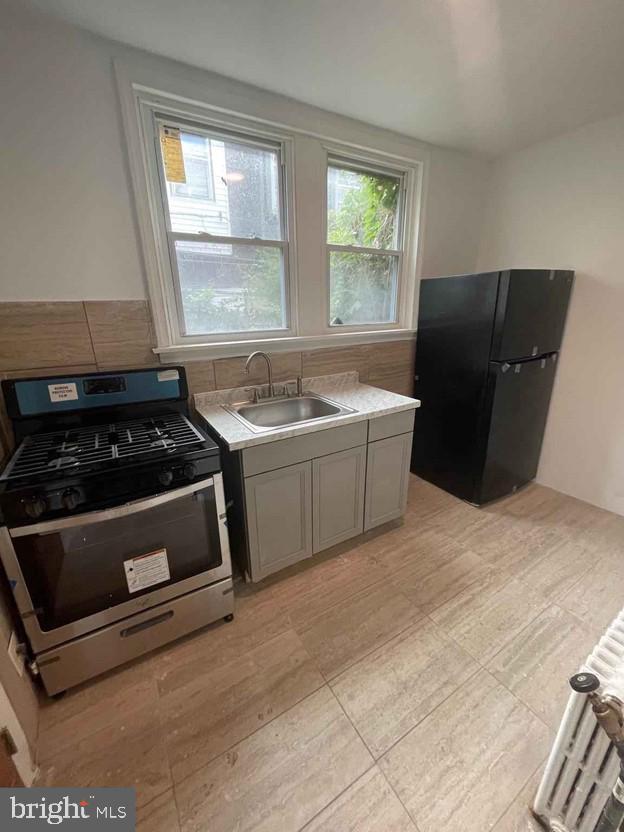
226,230
364,243
261,235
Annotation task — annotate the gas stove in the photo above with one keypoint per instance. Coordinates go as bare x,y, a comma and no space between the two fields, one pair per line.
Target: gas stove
114,535
78,466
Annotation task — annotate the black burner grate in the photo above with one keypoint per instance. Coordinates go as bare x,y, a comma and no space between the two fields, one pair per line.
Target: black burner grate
81,447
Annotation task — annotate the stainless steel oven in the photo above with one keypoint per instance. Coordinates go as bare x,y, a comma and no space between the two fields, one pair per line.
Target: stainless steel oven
99,588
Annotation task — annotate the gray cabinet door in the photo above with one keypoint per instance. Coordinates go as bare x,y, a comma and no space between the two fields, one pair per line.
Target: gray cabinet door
338,497
279,518
387,474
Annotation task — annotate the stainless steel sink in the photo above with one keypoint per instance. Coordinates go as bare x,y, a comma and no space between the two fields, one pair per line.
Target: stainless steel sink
283,412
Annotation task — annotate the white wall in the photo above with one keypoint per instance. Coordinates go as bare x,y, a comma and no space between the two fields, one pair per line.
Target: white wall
561,203
67,227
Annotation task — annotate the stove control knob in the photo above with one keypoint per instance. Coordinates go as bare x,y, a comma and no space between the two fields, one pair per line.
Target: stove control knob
35,506
70,498
190,470
165,477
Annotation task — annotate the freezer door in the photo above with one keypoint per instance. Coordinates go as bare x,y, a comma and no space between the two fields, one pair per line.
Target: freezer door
518,399
530,313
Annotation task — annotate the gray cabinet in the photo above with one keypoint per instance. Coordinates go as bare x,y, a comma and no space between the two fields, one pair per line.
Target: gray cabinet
387,477
279,518
338,497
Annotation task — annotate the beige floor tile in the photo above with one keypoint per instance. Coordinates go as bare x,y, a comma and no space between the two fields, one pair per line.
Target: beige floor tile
556,571
463,765
222,706
488,614
347,632
257,618
280,777
321,582
425,500
159,815
87,709
369,805
598,596
431,568
518,817
386,694
538,662
130,752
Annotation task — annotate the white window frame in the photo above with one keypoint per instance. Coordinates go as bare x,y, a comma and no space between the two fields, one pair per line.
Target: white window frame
357,163
144,90
163,279
159,121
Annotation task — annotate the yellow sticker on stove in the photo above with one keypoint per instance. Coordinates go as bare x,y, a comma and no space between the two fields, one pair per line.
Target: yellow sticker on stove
173,158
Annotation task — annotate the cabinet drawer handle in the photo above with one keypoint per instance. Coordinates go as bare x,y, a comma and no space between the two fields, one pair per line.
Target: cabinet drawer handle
144,625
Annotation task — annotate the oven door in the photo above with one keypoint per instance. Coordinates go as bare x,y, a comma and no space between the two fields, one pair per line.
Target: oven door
73,575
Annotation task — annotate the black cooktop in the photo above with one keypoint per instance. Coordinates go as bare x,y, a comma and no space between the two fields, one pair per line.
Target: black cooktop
48,454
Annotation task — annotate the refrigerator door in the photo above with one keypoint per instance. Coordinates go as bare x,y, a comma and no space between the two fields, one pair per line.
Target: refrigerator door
456,316
530,313
518,397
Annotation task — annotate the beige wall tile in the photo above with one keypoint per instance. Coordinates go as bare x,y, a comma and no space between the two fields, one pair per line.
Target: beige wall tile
390,357
325,362
460,768
280,777
200,376
390,691
230,372
121,331
42,335
401,382
369,805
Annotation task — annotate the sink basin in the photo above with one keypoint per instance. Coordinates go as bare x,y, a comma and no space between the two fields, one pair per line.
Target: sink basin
282,412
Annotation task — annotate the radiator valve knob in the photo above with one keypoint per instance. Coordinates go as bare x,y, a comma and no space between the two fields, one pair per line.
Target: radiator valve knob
584,682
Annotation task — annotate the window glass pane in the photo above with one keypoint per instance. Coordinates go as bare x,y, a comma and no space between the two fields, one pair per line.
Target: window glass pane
362,208
231,189
362,288
230,288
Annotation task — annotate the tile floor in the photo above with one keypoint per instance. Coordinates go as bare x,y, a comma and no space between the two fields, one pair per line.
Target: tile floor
411,682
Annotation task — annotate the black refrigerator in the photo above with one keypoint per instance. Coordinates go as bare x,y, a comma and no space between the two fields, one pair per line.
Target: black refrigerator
486,355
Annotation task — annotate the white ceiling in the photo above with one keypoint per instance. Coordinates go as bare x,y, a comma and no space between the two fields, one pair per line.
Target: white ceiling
481,75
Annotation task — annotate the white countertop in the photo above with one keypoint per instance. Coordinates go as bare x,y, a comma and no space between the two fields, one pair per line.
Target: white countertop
344,388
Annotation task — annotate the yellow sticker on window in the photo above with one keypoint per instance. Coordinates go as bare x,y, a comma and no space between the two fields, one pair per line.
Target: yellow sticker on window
173,158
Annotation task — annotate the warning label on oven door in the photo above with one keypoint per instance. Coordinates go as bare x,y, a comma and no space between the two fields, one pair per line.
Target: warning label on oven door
147,570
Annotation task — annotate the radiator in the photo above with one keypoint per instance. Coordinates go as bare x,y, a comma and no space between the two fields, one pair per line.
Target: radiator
583,766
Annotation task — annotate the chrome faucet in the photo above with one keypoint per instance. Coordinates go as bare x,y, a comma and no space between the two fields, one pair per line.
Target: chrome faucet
269,368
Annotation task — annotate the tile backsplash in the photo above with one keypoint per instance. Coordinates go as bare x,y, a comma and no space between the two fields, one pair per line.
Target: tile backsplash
48,338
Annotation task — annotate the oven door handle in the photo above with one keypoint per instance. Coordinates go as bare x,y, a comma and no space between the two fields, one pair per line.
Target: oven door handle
115,513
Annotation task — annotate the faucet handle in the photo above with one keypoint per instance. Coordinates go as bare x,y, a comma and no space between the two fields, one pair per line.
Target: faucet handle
299,386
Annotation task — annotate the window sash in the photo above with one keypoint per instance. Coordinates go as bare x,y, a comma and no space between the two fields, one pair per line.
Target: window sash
172,236
357,166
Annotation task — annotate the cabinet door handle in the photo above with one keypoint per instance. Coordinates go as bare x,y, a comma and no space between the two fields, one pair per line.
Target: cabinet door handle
144,625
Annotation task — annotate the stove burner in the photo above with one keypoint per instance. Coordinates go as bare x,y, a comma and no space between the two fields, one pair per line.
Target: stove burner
63,462
90,445
162,443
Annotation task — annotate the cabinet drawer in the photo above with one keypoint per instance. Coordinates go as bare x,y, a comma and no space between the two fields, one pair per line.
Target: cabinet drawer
392,425
285,452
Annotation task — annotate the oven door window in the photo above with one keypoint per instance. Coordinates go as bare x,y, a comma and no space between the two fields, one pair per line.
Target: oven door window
83,570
